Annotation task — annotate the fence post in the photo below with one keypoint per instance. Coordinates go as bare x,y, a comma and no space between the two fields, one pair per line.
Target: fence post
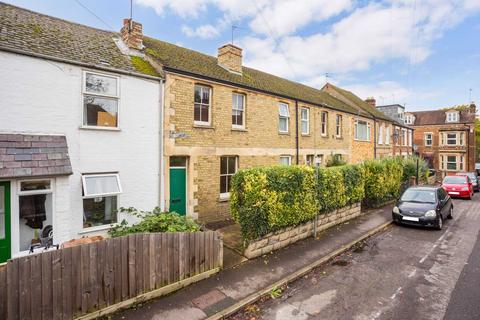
412,181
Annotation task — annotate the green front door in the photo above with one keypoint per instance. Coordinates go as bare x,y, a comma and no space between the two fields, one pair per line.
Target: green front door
5,221
178,186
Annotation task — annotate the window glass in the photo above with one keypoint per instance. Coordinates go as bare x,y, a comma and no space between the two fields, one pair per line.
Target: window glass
455,180
324,122
415,195
202,104
97,185
284,114
99,111
178,161
428,139
362,130
387,135
102,85
285,160
304,115
99,211
451,163
338,129
228,167
238,109
35,185
310,160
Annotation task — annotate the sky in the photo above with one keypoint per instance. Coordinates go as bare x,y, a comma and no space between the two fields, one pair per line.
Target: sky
424,54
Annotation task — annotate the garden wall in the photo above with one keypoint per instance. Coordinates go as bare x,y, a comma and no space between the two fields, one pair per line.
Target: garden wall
289,235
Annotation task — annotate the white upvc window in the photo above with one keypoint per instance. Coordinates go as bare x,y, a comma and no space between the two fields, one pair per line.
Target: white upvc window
404,137
323,123
283,117
338,126
452,162
202,105
286,160
462,139
452,116
228,167
305,120
387,136
101,99
362,130
238,110
409,119
380,134
410,138
451,138
100,192
428,139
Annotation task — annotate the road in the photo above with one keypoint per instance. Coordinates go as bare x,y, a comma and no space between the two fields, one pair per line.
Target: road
402,273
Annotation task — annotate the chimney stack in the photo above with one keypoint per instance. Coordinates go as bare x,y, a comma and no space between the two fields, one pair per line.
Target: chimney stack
230,57
371,101
132,34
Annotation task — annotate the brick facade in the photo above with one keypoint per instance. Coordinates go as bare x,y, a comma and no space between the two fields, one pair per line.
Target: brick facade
258,144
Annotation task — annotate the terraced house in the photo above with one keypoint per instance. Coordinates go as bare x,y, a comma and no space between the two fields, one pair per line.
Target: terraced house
124,114
446,138
79,131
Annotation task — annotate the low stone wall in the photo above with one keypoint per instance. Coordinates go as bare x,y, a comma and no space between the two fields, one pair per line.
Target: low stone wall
287,236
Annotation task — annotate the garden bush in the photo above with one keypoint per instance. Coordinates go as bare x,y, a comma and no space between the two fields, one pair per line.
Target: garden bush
153,221
383,179
270,198
410,168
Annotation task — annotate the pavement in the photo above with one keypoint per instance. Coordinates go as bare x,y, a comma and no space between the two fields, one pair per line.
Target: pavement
233,285
401,273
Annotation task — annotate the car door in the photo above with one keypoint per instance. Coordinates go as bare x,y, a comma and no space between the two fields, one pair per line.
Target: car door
447,202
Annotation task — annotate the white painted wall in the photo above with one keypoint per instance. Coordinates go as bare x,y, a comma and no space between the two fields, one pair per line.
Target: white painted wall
45,97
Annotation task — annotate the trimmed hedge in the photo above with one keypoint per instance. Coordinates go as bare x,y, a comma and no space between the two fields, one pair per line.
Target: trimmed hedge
383,179
266,199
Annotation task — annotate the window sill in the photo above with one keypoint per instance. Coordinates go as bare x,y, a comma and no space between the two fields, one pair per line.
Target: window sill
203,126
99,128
306,135
360,140
284,133
96,228
239,129
224,197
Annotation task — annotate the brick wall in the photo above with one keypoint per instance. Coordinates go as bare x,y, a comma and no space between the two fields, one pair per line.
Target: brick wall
259,144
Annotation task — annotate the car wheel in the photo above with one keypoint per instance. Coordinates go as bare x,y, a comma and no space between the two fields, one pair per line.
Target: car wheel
450,214
439,223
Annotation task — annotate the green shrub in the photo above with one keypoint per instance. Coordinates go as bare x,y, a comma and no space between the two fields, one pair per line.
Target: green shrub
153,221
410,168
335,161
383,179
354,180
330,189
269,198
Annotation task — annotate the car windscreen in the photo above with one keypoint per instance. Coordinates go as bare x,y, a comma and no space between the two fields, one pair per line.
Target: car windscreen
415,195
455,180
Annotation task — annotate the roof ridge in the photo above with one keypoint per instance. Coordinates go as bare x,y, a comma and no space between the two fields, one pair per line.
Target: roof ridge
56,18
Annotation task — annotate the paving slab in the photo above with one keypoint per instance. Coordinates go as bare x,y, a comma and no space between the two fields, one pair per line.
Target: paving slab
234,284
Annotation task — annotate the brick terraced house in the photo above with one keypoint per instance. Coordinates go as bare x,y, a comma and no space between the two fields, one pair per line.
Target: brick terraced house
446,138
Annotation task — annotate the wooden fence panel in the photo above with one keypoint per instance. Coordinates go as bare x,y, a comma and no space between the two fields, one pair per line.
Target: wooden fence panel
71,282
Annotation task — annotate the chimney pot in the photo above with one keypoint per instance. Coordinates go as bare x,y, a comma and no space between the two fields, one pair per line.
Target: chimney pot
371,101
230,57
132,34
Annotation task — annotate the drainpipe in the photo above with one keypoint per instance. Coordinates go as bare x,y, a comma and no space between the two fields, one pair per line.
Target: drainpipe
468,149
296,132
374,138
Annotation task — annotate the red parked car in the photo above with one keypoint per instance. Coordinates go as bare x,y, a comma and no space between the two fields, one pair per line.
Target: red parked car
458,186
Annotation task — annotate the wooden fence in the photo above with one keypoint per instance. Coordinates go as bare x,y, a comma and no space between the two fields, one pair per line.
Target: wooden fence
71,282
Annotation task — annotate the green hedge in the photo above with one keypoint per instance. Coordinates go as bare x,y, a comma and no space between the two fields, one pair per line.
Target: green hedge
410,168
270,198
383,179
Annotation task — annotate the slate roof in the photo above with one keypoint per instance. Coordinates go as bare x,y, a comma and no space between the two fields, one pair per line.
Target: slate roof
25,155
437,117
360,103
35,33
175,58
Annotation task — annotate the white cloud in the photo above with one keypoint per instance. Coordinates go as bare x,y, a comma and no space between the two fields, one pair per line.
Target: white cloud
204,32
385,92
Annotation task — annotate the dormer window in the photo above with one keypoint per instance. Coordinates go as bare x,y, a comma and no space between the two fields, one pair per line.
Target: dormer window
452,116
409,118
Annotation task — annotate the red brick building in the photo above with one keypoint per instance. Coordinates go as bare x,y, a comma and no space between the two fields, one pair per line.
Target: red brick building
445,138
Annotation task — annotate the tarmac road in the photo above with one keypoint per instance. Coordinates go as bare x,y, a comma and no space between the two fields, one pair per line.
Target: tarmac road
402,273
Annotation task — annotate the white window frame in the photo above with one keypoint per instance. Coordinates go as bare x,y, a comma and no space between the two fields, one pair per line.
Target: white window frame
427,139
287,117
287,157
107,96
210,94
452,116
306,120
410,138
338,126
324,124
33,192
404,137
235,108
226,195
387,135
459,162
99,195
450,139
356,130
380,134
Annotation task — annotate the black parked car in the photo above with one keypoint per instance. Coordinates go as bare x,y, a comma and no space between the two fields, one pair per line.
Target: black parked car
423,206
